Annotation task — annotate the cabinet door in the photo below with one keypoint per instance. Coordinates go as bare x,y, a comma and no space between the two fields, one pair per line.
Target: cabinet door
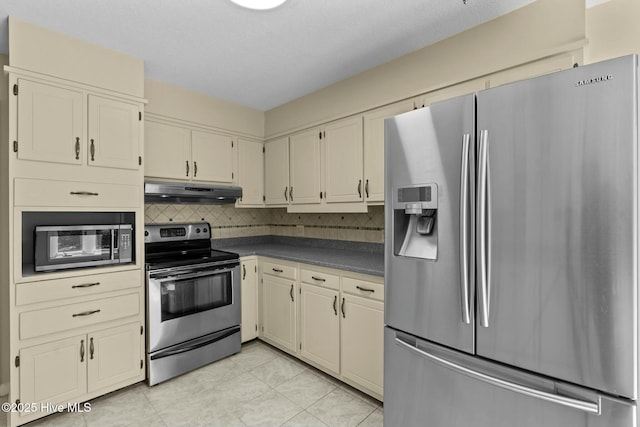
320,326
343,161
50,123
279,311
167,151
212,155
276,172
362,341
374,148
114,356
305,167
54,372
251,172
114,133
249,300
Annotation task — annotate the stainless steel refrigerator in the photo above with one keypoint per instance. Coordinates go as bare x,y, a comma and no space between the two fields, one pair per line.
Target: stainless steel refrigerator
511,255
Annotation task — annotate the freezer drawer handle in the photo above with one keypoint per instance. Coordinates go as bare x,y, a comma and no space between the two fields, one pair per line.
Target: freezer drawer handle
464,230
591,407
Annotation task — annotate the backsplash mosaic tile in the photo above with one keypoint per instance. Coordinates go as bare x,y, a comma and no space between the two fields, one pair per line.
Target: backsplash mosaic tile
228,221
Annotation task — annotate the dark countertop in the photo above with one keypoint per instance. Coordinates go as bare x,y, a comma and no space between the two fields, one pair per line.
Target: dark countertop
366,258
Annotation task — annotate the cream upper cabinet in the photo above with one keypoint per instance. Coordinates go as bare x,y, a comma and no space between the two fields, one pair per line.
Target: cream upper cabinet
374,148
320,326
177,152
276,173
362,341
304,161
212,155
343,154
114,133
251,172
167,151
50,123
249,299
279,311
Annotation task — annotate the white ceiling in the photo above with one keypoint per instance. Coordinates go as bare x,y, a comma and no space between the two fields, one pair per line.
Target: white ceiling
259,59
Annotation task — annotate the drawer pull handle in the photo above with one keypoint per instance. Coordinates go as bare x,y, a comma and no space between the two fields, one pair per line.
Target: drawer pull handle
83,193
277,270
320,279
86,285
365,289
86,313
82,350
91,348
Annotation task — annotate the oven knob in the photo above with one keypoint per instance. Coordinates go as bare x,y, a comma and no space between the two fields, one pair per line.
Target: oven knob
204,230
146,233
197,230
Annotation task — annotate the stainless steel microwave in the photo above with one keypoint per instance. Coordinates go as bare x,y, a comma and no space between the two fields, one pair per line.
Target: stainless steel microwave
74,246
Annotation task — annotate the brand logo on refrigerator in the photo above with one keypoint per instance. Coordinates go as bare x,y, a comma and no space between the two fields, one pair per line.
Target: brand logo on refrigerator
594,80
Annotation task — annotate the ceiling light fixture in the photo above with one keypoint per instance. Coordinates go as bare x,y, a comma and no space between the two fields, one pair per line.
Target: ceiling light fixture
259,4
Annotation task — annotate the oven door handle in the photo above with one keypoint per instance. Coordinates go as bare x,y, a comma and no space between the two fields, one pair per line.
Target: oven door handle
197,345
203,273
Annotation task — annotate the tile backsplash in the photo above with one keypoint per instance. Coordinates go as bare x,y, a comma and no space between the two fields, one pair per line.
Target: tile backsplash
228,221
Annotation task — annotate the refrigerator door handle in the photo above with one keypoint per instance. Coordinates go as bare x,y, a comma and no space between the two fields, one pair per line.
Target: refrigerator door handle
464,230
482,228
590,407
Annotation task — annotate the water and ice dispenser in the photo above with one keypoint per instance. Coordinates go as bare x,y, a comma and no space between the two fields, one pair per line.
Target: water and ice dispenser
415,218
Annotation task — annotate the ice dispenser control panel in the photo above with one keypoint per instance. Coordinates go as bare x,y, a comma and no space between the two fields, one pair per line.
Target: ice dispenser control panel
415,221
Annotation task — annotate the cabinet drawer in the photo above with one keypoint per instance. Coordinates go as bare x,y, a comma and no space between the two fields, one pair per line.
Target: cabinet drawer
51,290
326,280
279,270
363,288
50,320
38,192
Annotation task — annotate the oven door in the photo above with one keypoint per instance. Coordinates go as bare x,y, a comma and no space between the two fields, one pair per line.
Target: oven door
191,302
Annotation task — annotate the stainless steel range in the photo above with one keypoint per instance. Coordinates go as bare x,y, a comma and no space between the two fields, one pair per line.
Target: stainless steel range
193,300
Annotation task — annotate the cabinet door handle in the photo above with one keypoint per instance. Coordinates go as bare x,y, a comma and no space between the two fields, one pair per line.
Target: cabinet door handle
335,302
93,151
285,194
291,193
91,348
320,279
77,148
82,350
244,271
291,292
365,289
360,188
83,193
187,167
366,188
86,285
277,270
86,313
342,309
195,168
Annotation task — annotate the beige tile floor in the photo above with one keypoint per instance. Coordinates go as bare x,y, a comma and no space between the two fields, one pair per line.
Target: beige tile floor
260,386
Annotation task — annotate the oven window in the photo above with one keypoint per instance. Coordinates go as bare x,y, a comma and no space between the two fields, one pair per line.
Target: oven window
189,296
86,244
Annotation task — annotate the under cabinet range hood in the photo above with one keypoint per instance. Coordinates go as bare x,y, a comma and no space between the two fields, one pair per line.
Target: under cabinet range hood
186,192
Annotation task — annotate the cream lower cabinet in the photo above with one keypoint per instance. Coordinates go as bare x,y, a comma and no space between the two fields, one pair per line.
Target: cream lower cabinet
279,311
320,325
361,341
249,298
64,370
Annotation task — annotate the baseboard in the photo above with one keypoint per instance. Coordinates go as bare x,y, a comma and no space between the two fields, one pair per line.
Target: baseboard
4,389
